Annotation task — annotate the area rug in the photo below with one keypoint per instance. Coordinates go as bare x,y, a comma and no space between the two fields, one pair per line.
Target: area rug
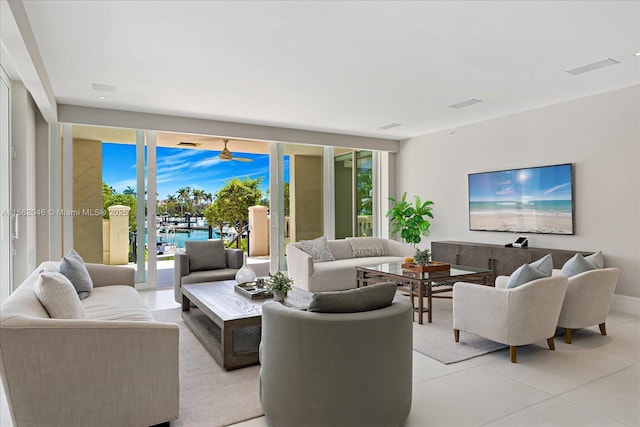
209,395
435,339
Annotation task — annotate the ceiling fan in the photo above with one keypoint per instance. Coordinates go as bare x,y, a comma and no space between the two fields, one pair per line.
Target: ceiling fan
225,154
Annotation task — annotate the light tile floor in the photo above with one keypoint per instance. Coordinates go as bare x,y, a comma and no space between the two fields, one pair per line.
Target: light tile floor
593,382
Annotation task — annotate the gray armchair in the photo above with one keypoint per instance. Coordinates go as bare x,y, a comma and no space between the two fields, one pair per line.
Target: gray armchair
336,369
204,261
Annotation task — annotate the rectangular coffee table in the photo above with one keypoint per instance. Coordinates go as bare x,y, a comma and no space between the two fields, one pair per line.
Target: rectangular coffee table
228,323
422,284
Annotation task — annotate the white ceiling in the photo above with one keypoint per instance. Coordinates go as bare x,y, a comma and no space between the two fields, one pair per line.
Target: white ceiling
344,67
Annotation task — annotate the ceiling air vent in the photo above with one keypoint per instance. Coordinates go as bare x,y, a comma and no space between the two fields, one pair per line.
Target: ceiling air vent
189,144
466,103
104,88
389,126
592,67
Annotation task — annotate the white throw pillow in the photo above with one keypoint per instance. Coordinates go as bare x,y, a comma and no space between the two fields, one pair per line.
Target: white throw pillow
528,272
58,296
318,249
366,246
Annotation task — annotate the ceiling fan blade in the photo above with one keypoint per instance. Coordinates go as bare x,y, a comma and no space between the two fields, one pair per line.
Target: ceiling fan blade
242,159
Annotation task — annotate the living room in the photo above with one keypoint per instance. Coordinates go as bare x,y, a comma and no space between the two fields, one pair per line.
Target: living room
589,120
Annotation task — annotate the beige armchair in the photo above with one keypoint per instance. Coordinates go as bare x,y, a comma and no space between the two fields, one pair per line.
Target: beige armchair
517,316
587,300
336,369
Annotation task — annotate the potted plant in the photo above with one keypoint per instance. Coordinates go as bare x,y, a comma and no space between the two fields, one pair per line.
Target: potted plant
278,284
422,258
409,220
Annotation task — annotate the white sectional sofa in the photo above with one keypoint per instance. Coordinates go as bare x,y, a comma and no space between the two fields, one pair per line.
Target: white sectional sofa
116,367
341,273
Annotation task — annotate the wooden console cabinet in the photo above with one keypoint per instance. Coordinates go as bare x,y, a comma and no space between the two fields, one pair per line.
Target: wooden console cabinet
503,261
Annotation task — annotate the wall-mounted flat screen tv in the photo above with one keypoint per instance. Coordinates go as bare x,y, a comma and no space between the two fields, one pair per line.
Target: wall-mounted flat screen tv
531,200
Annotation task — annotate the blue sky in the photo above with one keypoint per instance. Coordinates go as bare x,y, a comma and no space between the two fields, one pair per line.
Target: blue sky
543,183
180,167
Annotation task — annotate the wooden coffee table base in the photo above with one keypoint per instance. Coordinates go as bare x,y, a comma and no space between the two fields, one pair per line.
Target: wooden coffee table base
233,344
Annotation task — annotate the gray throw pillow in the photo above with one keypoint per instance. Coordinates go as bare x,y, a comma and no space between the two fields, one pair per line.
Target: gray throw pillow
544,264
206,254
596,259
58,296
72,266
318,249
371,297
528,272
579,264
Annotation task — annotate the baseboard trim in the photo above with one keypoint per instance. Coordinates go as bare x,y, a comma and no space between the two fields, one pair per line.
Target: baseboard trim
626,304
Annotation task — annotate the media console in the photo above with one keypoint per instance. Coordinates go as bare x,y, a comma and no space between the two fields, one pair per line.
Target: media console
503,261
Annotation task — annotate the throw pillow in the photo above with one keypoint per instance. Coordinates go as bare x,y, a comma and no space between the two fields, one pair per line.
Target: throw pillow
544,264
72,266
318,249
206,254
579,264
371,297
366,246
58,296
528,272
596,259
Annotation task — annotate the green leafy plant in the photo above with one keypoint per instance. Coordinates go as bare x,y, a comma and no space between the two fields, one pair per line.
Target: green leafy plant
409,219
422,257
278,282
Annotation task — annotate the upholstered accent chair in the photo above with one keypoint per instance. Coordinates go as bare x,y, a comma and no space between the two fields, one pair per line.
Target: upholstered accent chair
204,261
515,317
336,369
587,300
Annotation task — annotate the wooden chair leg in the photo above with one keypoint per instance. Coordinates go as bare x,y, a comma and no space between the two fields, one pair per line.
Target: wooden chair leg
603,329
567,335
551,343
512,353
456,334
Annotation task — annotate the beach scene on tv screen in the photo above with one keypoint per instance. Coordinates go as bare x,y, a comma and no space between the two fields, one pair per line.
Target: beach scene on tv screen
534,200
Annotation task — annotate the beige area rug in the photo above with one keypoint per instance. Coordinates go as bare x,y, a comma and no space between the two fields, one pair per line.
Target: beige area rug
435,339
209,395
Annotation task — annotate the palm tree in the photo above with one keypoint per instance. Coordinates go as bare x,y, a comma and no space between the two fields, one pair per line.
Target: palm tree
129,190
197,195
184,195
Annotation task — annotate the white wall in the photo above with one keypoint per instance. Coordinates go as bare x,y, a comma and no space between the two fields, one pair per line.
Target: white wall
23,136
599,134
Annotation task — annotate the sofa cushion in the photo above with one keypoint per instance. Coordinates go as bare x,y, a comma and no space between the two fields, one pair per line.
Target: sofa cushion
318,249
210,276
579,264
58,296
72,266
116,302
205,254
371,297
362,247
340,249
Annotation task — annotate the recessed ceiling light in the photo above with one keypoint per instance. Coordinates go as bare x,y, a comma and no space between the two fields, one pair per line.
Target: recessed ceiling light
102,97
637,54
466,103
389,126
591,67
104,88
